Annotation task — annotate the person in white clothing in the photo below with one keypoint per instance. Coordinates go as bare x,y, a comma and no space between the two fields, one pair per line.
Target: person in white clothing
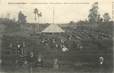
101,60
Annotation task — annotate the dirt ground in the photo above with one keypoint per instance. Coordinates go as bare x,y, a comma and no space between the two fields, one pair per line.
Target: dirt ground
42,70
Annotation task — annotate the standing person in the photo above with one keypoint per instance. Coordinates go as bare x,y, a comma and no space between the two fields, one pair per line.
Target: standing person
56,65
31,61
101,62
39,62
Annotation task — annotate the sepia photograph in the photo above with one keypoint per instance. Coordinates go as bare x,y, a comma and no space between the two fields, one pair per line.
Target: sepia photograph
56,36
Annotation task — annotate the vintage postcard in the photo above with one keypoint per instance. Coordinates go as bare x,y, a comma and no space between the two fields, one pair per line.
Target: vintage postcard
56,36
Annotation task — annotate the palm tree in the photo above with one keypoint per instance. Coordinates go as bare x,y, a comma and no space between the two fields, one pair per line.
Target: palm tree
37,14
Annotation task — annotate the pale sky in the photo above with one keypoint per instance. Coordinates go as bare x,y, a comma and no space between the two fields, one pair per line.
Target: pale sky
63,13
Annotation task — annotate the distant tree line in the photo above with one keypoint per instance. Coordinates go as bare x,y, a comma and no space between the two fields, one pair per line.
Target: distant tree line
94,15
